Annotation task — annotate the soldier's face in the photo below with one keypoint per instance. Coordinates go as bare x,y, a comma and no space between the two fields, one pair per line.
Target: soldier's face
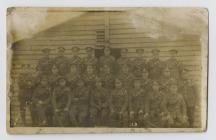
62,83
155,87
123,54
125,69
73,69
44,82
98,84
107,52
173,54
80,83
173,89
167,72
145,74
106,69
137,84
90,70
61,53
54,70
118,84
155,55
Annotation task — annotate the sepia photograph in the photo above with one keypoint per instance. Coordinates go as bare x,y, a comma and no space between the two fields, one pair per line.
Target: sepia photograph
106,70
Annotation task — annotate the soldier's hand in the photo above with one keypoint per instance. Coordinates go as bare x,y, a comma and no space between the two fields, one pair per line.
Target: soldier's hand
146,115
56,110
40,102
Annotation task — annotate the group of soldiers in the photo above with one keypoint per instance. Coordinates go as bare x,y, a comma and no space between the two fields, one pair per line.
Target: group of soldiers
108,92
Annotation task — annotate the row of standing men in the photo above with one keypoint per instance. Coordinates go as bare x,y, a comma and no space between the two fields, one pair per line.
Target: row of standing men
109,92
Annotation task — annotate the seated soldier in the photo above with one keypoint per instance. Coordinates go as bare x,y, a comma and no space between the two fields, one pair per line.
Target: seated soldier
79,105
119,105
136,104
90,77
73,76
154,110
176,109
99,105
107,77
61,102
41,100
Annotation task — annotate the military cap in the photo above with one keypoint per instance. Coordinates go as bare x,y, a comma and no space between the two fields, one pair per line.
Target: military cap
105,48
173,51
61,49
124,50
45,50
140,50
155,51
89,49
75,49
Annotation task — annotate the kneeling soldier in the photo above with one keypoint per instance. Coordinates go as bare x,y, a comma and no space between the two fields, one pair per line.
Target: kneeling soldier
119,105
61,102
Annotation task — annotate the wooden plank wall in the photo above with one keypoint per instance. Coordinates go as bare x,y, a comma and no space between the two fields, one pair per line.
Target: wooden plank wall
89,30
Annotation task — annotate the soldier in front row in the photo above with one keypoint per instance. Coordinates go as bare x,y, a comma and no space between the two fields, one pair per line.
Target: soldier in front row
107,77
176,109
41,100
61,100
26,87
99,105
119,105
136,104
79,107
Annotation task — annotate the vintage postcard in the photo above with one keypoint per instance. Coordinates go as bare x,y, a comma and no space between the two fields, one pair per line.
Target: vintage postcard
106,70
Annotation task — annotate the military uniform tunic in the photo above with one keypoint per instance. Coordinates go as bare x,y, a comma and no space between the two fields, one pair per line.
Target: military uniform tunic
99,106
138,65
62,64
44,66
61,102
155,68
41,100
175,68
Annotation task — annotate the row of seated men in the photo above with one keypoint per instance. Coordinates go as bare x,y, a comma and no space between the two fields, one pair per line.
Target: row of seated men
109,92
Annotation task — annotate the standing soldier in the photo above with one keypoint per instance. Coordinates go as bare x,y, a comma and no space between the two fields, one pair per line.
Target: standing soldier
176,108
174,65
119,105
139,63
53,82
90,59
41,100
136,104
44,64
61,102
26,86
79,105
155,66
73,76
123,60
76,60
126,77
166,80
61,61
107,77
189,92
146,81
107,59
99,105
